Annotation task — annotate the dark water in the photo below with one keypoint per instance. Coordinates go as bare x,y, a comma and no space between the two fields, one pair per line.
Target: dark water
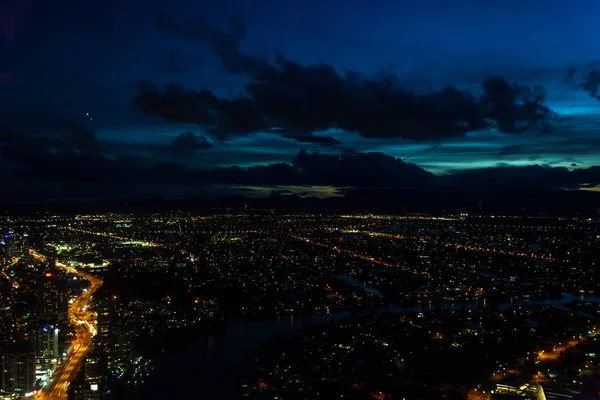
356,283
207,368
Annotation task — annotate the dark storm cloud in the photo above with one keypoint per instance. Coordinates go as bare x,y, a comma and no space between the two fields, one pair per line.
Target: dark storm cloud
62,137
346,169
272,174
188,141
591,84
64,153
310,98
322,140
225,118
360,169
81,138
529,177
53,160
349,169
515,108
224,44
569,78
236,117
74,157
175,103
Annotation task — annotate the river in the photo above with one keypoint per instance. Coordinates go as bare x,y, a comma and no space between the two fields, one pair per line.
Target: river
207,368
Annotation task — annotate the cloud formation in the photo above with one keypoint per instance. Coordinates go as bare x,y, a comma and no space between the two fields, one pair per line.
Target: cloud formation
66,137
80,137
591,84
308,98
223,118
309,138
533,177
190,142
570,76
224,44
75,156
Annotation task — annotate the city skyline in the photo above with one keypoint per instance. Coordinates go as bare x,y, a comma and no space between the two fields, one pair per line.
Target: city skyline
299,200
254,303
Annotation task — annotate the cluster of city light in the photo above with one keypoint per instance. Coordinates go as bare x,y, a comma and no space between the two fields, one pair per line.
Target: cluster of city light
84,322
14,284
126,240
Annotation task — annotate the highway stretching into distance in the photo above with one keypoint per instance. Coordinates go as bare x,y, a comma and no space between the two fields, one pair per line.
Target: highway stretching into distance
84,321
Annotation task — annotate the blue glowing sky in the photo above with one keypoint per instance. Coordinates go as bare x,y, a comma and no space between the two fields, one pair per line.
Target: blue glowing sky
87,59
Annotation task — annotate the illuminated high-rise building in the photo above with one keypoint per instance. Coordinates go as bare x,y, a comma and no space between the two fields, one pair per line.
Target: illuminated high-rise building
122,349
6,248
96,371
7,324
22,244
18,370
102,340
45,343
54,299
114,336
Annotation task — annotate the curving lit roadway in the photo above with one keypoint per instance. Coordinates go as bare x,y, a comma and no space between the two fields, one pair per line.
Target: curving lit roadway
84,322
14,284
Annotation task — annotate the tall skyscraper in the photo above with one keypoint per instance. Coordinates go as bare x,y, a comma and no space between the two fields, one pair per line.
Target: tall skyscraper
105,311
7,323
45,343
122,349
22,244
54,299
6,248
114,337
18,370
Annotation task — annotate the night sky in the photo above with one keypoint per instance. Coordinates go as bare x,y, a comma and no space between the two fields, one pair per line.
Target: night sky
128,98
